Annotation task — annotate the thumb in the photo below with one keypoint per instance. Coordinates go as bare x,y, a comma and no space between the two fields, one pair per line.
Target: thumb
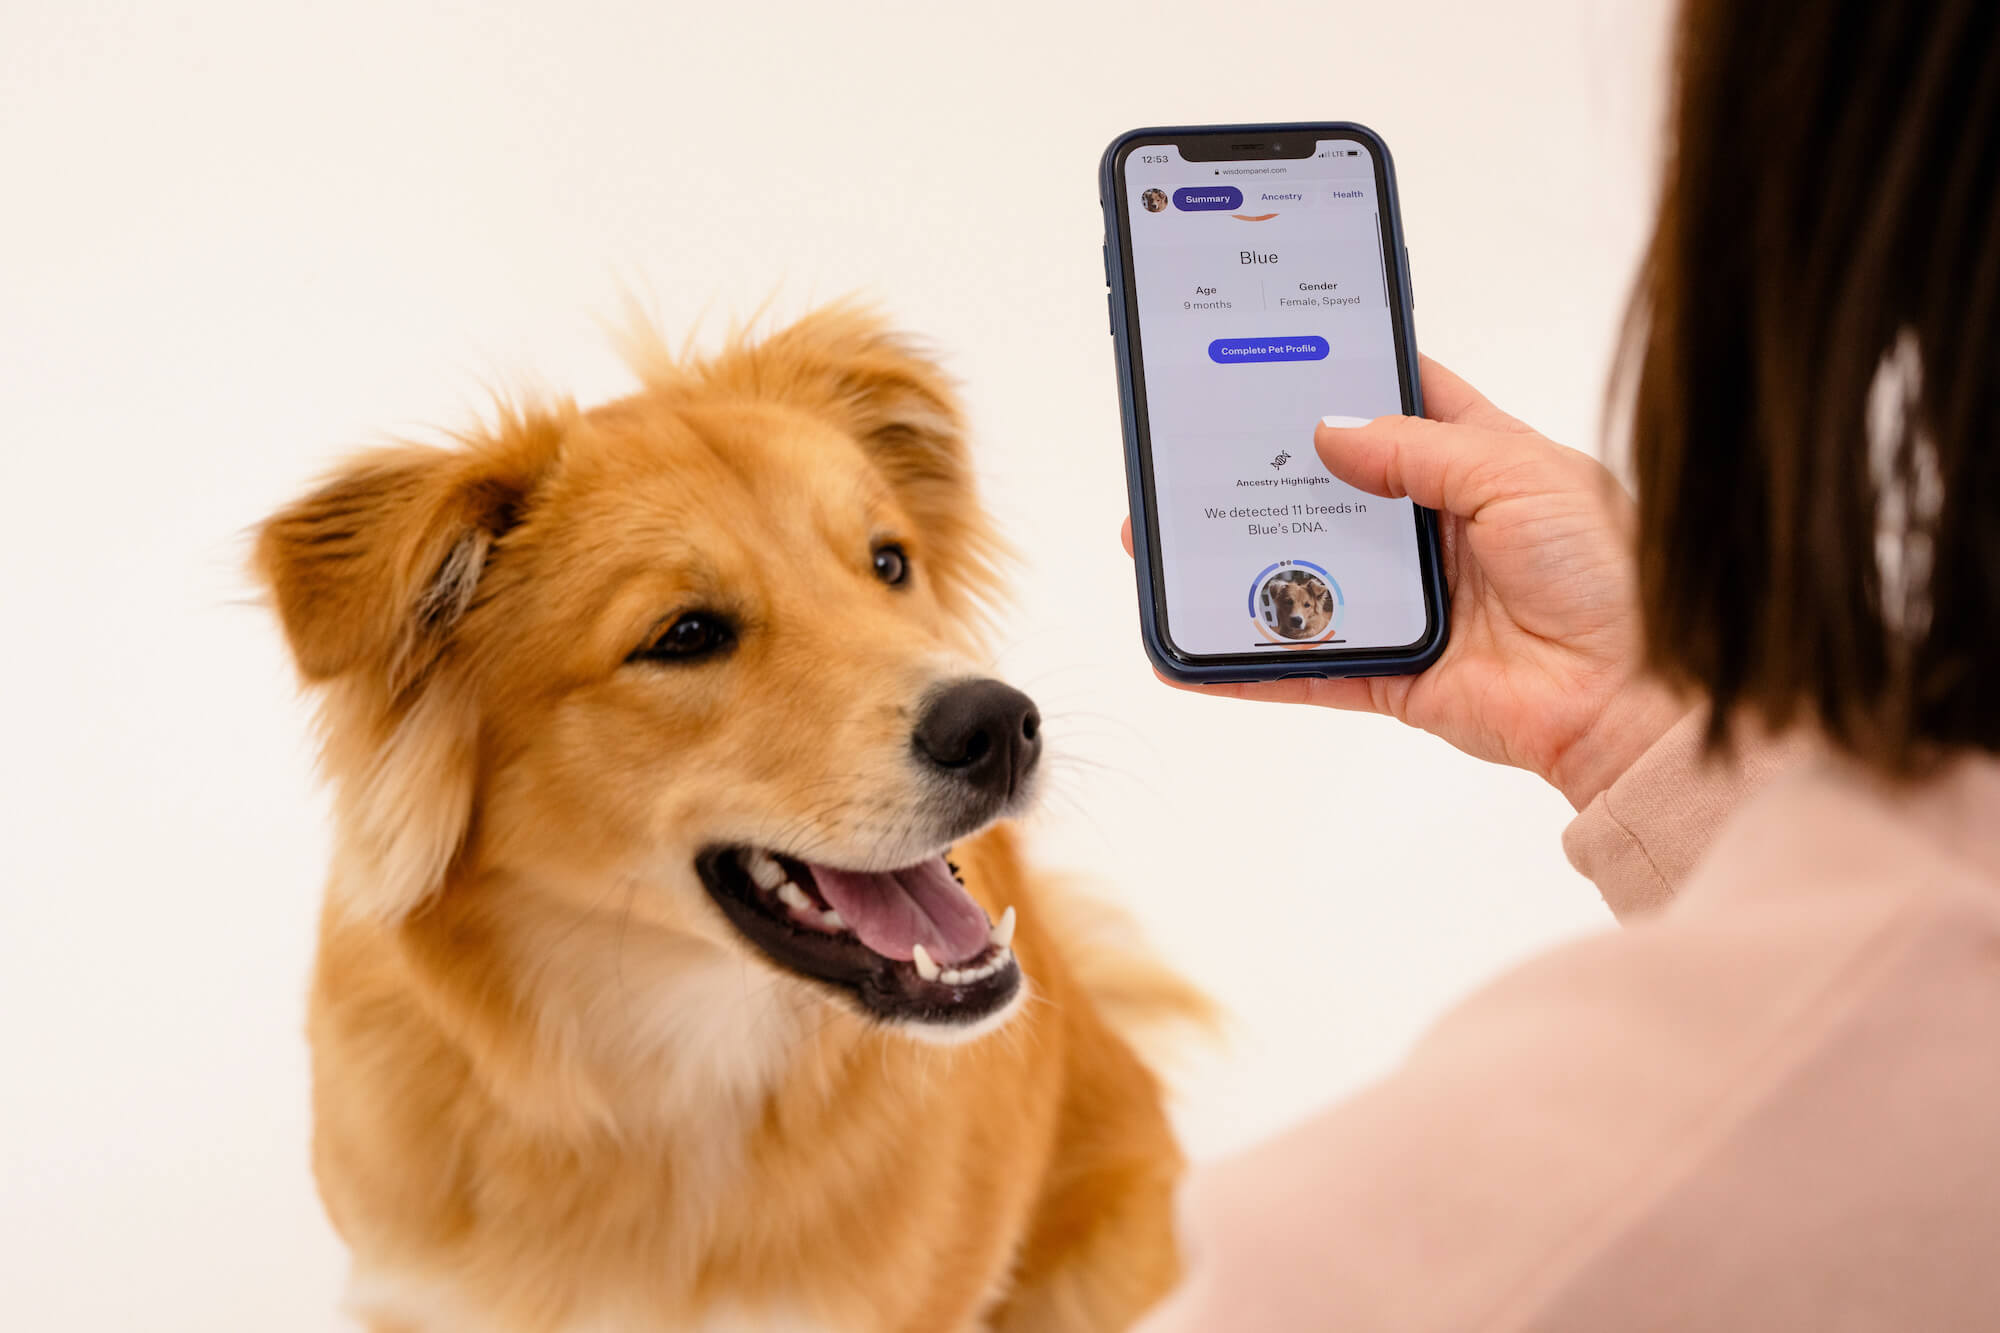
1458,469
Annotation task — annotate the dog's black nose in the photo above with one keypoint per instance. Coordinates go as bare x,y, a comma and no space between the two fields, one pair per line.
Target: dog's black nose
984,733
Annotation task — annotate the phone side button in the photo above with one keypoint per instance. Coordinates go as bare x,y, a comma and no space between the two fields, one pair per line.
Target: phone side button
1410,276
1110,323
1105,249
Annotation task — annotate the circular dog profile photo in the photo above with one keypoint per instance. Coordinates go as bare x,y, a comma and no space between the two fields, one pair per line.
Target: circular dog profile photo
1296,603
1154,200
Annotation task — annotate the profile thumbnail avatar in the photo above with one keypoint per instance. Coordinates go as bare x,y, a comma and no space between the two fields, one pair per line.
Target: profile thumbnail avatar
1153,200
1296,601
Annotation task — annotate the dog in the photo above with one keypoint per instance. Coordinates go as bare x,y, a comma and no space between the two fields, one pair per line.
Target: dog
1301,604
678,968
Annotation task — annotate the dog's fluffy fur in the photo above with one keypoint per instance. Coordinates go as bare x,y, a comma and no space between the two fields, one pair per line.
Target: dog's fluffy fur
554,1089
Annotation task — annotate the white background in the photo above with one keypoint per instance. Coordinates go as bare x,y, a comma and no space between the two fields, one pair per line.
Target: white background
240,239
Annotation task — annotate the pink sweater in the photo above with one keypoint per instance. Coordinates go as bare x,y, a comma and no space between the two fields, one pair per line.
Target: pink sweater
1771,1101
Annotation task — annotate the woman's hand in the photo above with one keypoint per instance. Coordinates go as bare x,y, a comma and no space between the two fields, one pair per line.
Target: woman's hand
1544,666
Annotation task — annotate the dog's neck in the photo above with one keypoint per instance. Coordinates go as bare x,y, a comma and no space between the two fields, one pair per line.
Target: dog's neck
584,1025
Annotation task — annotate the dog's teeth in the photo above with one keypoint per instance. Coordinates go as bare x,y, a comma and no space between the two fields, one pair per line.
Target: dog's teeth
794,897
951,976
767,873
926,969
1003,931
832,920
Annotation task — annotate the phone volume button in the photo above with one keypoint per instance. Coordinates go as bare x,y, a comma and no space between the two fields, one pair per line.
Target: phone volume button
1110,322
1105,250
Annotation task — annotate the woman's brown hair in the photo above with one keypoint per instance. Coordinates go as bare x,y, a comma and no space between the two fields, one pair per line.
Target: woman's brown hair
1816,341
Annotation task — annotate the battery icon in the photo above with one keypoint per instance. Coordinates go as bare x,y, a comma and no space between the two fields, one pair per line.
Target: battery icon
1354,152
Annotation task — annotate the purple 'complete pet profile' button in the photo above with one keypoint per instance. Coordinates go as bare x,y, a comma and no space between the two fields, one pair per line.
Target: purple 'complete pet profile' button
1230,351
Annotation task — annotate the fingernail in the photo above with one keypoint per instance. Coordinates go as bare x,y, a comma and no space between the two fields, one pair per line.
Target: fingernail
1344,423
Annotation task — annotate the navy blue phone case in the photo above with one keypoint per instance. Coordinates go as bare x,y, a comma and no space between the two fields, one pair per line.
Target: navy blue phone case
1171,664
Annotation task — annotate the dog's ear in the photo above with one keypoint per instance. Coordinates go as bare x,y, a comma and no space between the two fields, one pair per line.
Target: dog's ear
370,575
846,363
370,571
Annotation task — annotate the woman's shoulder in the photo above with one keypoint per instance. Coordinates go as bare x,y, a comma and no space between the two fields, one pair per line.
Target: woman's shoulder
1831,835
1715,1113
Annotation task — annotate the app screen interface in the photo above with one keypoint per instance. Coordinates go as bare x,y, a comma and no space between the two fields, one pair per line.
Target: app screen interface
1263,305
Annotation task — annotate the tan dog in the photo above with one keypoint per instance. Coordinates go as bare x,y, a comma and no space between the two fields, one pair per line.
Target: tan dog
646,998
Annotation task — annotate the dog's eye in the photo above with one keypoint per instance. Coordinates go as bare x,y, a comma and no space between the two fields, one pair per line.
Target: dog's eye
694,635
891,565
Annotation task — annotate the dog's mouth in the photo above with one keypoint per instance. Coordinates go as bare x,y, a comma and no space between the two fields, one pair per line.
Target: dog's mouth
909,944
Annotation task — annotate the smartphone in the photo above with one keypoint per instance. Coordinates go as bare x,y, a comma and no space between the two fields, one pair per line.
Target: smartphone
1258,282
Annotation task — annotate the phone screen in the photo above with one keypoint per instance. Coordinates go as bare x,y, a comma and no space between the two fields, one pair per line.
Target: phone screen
1261,300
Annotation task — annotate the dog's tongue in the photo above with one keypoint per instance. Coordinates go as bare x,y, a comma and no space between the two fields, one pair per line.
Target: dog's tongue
893,911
